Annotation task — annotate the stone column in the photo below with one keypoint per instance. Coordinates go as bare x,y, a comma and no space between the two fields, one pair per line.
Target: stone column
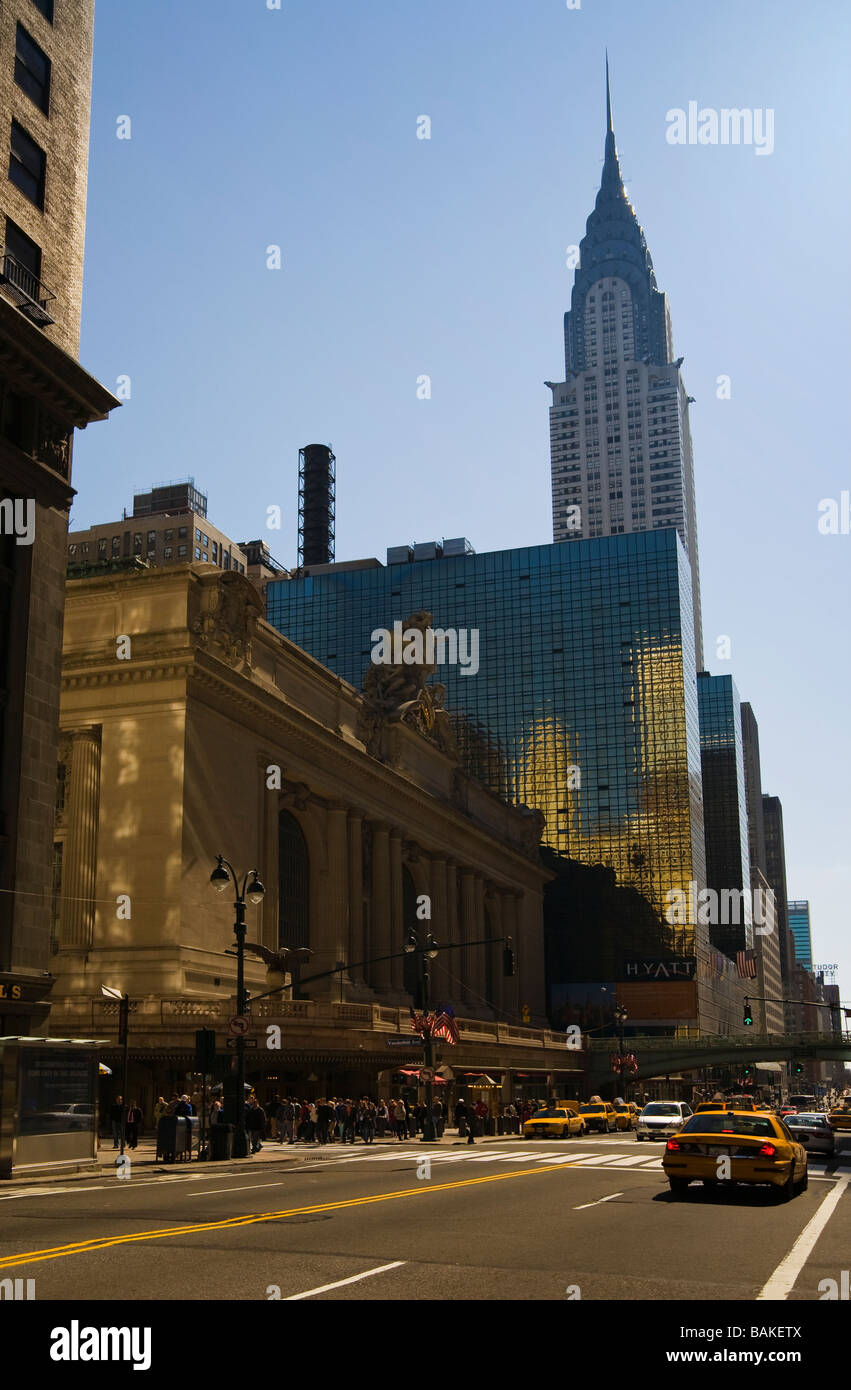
333,942
494,916
357,949
452,959
380,946
397,922
441,990
79,866
480,931
468,925
510,992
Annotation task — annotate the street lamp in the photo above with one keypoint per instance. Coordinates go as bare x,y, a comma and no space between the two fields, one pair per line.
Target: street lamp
223,874
123,1030
620,1016
428,951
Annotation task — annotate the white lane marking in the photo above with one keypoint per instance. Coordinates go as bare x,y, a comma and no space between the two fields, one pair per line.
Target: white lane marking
324,1288
633,1162
783,1279
211,1191
611,1197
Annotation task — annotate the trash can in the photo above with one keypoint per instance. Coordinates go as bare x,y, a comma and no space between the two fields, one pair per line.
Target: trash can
175,1136
221,1140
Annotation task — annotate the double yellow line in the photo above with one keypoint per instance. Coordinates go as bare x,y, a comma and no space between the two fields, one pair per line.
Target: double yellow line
85,1247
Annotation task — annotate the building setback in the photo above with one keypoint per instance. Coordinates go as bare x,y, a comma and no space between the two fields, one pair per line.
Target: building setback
583,704
219,736
725,815
45,85
620,440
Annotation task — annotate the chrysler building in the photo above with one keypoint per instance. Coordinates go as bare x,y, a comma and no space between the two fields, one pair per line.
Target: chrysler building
620,444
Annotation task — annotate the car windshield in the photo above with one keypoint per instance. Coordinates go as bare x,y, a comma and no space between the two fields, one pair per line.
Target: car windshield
549,1114
658,1108
622,1109
810,1120
590,1109
718,1123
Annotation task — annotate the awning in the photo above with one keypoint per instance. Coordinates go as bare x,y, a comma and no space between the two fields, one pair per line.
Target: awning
104,1070
769,1066
436,1080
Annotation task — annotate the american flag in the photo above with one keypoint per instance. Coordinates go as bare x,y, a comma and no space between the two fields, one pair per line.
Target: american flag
746,964
445,1027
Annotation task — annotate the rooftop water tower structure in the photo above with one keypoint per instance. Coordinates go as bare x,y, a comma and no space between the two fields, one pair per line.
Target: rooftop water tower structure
316,496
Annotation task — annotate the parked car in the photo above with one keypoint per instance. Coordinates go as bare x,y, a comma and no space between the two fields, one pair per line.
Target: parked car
661,1118
813,1131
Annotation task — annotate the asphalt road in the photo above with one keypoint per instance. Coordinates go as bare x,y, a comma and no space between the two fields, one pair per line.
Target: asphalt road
589,1218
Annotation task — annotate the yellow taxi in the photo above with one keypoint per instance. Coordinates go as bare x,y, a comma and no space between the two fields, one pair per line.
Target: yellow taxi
723,1105
554,1122
840,1115
627,1114
599,1114
759,1148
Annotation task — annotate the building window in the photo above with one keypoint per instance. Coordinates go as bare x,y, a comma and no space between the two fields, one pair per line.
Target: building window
169,535
137,543
206,557
197,553
32,69
116,547
227,560
215,553
197,534
27,163
26,257
46,7
167,552
102,547
152,540
181,551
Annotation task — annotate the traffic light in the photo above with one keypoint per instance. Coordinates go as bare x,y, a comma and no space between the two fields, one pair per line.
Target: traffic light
747,1071
748,1018
508,959
798,1068
205,1050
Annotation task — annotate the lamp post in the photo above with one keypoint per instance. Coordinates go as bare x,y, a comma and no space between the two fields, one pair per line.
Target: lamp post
123,1032
223,874
620,1017
425,953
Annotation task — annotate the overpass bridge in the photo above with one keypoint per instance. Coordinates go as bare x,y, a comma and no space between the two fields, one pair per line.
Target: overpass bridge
664,1056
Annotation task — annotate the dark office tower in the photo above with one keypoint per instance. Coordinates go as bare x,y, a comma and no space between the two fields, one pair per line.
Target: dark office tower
620,441
775,872
753,789
316,495
725,811
45,85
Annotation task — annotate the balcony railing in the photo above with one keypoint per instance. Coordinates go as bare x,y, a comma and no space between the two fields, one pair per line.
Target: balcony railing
26,290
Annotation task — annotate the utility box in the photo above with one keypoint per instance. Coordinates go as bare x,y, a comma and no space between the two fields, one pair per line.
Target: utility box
48,1105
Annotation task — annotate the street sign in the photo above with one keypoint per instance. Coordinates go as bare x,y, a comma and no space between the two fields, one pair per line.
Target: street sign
426,1074
246,1042
399,1040
238,1026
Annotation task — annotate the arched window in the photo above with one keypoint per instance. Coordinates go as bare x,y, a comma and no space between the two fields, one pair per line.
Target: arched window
293,883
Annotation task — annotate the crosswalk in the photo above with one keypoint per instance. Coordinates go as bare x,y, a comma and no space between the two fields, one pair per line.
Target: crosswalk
496,1154
566,1157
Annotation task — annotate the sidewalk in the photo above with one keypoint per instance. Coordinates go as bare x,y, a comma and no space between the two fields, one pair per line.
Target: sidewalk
272,1153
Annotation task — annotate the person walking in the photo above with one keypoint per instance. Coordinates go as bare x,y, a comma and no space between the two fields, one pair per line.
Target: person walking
183,1109
437,1117
160,1109
465,1120
381,1119
400,1115
116,1114
255,1123
286,1121
134,1119
215,1113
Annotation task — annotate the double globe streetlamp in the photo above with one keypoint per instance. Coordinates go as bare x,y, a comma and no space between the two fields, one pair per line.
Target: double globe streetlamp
427,951
253,892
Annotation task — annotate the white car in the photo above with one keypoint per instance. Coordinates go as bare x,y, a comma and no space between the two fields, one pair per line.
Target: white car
662,1118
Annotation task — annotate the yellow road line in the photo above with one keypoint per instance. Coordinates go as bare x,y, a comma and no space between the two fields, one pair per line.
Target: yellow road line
85,1247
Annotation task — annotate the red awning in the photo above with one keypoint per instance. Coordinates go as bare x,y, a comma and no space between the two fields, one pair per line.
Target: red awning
437,1080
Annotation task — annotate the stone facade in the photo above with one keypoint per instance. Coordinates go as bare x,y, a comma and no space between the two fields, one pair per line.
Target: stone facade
213,734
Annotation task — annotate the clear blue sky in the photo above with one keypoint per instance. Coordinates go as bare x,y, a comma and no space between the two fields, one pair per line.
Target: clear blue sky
297,127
